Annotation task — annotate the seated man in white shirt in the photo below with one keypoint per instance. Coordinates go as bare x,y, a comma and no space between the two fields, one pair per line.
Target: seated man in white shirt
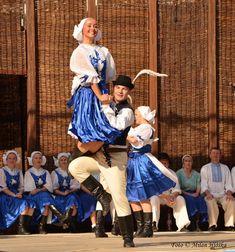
171,198
216,184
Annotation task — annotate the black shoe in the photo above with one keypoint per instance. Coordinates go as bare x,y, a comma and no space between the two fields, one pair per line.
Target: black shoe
139,223
22,228
99,230
148,230
42,225
229,229
97,190
154,226
115,229
212,228
127,229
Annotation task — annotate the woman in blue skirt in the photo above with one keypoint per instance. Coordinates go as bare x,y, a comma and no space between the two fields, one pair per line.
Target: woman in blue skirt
38,186
75,204
13,203
93,67
190,184
146,176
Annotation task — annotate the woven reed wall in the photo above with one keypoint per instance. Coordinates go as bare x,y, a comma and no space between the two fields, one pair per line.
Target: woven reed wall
124,26
182,38
12,38
226,71
10,112
55,22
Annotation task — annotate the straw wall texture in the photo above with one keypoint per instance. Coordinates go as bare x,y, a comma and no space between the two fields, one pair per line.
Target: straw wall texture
182,39
226,70
55,22
124,25
12,38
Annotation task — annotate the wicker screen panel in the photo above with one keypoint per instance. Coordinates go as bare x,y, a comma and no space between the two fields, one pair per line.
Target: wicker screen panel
124,25
12,38
182,39
226,64
55,23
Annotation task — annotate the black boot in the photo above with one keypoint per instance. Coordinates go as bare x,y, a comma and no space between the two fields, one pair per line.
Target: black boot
73,224
58,214
127,229
22,228
139,223
115,229
148,230
97,190
42,225
99,230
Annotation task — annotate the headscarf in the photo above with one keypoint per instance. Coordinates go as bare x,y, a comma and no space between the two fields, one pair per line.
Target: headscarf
59,156
147,114
186,156
77,32
30,159
4,157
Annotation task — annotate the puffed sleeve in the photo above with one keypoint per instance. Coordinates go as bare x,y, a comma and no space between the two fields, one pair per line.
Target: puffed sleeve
143,133
29,184
48,184
110,68
228,179
3,184
74,184
54,179
122,120
85,73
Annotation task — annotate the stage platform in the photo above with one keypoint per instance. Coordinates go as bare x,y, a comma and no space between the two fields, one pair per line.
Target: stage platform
86,242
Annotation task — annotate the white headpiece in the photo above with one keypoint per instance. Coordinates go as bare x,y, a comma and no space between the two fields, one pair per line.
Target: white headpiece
147,114
30,159
77,32
59,156
186,156
4,157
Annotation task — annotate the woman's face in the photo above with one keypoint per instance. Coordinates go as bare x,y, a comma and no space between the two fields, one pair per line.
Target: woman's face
138,117
63,162
188,163
37,160
90,29
11,160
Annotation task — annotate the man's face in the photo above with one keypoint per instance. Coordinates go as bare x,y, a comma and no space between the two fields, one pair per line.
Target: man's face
165,162
120,93
215,156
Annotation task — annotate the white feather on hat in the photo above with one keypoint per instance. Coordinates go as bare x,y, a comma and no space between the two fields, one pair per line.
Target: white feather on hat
149,72
30,159
4,157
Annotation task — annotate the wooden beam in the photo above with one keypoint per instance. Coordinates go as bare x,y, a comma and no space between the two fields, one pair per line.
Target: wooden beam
212,97
31,76
153,93
91,8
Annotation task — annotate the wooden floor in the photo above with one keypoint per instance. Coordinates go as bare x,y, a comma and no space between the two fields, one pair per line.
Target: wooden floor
86,242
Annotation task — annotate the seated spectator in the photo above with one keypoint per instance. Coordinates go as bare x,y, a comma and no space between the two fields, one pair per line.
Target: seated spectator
38,186
216,184
190,184
171,198
13,203
64,188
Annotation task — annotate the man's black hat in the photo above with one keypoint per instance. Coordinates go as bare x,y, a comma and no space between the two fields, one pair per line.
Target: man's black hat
124,80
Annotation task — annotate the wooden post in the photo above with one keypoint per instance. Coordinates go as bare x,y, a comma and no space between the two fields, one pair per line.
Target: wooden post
212,98
91,8
153,94
31,76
